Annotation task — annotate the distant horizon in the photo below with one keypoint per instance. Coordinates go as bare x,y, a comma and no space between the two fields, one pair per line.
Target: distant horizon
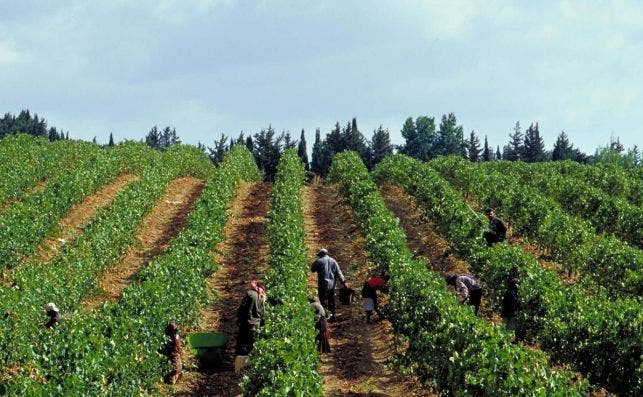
207,67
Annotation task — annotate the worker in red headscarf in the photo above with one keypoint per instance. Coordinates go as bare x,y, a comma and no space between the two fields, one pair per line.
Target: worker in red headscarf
250,317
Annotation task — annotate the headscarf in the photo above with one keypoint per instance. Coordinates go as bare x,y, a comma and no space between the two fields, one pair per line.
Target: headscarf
256,285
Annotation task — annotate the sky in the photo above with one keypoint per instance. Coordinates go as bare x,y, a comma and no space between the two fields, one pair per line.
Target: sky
208,67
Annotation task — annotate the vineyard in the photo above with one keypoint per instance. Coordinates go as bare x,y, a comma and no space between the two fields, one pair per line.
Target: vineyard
125,239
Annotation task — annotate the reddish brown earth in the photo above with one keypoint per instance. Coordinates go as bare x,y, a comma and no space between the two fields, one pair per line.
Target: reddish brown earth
243,256
358,364
159,227
425,241
72,224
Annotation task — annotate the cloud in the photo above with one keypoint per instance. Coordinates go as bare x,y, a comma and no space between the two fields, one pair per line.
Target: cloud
179,12
9,54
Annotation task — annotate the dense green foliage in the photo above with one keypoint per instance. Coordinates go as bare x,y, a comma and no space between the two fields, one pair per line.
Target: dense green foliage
114,351
600,337
25,224
25,160
463,354
285,360
606,212
605,260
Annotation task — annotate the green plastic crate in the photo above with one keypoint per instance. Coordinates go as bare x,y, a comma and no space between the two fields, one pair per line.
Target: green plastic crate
208,347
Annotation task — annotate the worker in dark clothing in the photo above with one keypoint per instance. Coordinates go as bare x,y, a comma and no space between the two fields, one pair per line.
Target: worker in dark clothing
497,229
469,291
321,325
328,272
173,351
511,305
369,293
54,315
250,317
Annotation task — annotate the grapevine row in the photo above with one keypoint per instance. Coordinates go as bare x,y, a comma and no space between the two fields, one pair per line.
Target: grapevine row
284,360
114,351
463,354
601,337
608,261
606,212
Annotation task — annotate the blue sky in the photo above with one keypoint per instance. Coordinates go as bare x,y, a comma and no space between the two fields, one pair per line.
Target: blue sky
213,66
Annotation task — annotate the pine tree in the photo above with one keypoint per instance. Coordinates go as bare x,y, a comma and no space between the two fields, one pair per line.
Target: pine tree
240,140
217,153
153,139
334,140
250,144
321,158
420,138
267,151
353,139
379,147
534,147
450,137
498,154
473,147
94,140
288,141
111,140
515,147
486,153
302,151
563,150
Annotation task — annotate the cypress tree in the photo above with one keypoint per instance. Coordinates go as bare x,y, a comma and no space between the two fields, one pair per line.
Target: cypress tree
111,140
379,147
515,147
473,147
302,151
534,147
486,153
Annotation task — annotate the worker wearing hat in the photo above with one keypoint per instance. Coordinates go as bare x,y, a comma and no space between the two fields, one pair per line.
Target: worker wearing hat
53,313
328,272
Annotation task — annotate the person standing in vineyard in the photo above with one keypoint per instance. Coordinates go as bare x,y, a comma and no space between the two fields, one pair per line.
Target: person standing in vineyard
173,351
469,290
250,317
497,229
369,293
328,272
321,325
511,304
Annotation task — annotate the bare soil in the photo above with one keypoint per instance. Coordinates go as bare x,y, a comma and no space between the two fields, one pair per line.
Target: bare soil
159,227
358,363
425,241
243,256
72,224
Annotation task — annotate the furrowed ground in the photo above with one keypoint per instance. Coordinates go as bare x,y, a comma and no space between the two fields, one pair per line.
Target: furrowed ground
358,362
241,258
159,227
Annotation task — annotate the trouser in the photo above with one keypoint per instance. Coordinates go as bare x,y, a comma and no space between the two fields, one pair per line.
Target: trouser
492,238
245,339
475,296
327,300
177,368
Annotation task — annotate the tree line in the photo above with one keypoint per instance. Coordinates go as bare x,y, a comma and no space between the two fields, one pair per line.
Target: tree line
424,139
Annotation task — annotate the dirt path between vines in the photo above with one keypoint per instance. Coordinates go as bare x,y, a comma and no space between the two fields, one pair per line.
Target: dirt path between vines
242,256
357,364
72,224
159,227
425,241
39,187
